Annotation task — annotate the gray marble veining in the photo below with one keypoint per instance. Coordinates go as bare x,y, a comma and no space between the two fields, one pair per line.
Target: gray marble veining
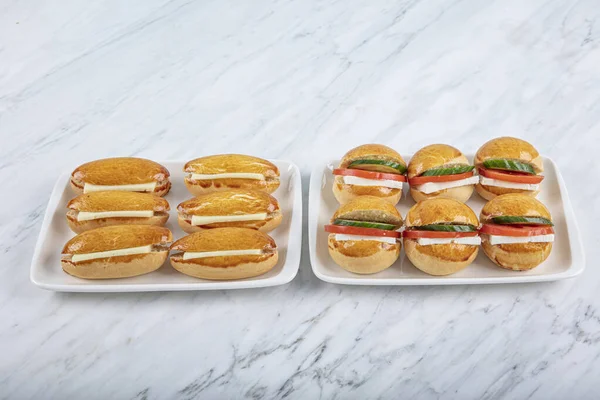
305,81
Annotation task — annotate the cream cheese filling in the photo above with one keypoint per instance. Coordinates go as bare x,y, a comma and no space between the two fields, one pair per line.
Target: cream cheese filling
91,215
211,219
112,253
188,255
432,187
228,175
508,185
496,239
471,240
357,181
138,187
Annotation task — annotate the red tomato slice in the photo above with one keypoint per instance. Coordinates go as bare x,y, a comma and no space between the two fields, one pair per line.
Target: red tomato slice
415,234
419,180
353,230
516,230
510,176
368,174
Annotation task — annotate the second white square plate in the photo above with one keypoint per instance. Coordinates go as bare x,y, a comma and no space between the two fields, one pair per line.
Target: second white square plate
566,260
47,273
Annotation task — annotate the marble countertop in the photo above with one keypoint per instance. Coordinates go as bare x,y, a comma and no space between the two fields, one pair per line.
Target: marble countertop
304,81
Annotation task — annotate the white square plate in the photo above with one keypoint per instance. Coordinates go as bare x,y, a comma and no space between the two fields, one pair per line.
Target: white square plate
47,273
566,260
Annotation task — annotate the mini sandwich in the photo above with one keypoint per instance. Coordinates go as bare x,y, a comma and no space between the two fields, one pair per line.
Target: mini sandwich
230,171
508,165
370,169
517,231
233,208
441,236
225,253
440,170
118,251
363,236
128,174
97,209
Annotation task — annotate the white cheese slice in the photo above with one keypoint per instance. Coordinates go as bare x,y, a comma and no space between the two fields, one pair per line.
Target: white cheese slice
384,239
204,220
229,175
471,240
432,187
188,255
89,215
112,253
495,239
508,185
138,187
355,180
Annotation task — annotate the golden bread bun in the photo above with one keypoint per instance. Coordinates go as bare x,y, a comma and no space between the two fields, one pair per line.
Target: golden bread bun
434,156
490,192
116,201
121,171
345,193
514,205
225,267
369,208
373,152
440,259
461,193
231,163
517,256
116,238
512,148
116,267
231,202
363,256
439,211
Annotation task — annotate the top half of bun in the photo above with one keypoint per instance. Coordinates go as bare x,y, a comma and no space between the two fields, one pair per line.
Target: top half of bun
440,211
433,156
116,200
229,202
369,208
231,163
120,171
509,147
373,152
514,204
220,239
117,237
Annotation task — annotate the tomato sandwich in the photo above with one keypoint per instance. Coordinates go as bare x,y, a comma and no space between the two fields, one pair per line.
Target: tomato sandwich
363,235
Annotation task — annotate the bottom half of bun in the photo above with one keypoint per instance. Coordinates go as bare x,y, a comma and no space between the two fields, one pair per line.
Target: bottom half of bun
263,226
116,267
345,193
461,193
440,259
363,256
489,192
159,219
200,187
518,256
225,268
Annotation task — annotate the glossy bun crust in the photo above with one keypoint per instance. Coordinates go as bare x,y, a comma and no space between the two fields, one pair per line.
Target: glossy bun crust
116,267
225,267
231,202
509,147
371,151
436,211
517,256
369,208
363,256
440,259
434,156
121,171
116,201
231,163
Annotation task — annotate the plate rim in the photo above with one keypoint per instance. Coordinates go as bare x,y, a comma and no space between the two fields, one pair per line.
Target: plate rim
573,233
293,254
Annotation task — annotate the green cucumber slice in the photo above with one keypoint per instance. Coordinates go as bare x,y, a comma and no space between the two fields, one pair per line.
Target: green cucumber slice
509,165
511,219
446,228
364,224
448,170
379,166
